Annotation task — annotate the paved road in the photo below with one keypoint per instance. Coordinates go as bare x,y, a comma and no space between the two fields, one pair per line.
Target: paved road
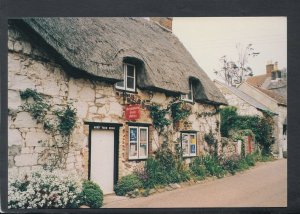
265,185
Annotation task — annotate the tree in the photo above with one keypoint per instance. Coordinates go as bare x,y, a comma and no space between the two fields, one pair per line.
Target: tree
235,72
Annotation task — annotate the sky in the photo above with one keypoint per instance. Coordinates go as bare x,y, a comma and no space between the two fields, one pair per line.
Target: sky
210,38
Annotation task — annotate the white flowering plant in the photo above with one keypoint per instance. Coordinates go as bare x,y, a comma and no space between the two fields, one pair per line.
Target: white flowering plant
44,189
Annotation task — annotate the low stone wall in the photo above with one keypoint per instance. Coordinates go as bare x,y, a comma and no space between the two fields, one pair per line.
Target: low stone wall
230,148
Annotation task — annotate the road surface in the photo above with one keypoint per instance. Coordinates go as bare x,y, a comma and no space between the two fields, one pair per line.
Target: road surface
265,185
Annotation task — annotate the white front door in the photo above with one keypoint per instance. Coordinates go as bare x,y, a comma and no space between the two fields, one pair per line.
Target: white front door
102,159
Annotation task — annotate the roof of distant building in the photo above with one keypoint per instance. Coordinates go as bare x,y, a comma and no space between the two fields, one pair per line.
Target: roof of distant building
244,96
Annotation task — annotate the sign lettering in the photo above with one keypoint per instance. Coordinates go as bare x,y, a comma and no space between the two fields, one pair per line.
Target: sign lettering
104,127
132,112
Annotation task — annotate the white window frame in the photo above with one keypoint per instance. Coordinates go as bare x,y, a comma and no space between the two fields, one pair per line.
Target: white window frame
185,97
125,87
138,143
189,154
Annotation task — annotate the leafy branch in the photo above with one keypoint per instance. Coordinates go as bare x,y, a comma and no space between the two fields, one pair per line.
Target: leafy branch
60,127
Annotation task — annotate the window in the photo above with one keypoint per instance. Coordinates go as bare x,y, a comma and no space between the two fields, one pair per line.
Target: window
138,142
128,83
188,97
278,74
188,144
284,129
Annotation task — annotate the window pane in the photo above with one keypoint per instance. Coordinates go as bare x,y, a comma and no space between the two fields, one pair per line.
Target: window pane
185,145
279,74
143,142
143,134
130,83
192,145
133,150
120,84
130,71
190,97
133,134
143,150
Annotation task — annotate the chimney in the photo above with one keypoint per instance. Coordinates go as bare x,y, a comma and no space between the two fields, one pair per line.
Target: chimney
276,66
269,68
165,22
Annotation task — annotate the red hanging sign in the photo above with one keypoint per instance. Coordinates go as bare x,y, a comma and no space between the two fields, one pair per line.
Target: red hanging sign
132,112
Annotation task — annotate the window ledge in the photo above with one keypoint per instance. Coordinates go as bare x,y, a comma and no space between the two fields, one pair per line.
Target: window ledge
128,92
141,159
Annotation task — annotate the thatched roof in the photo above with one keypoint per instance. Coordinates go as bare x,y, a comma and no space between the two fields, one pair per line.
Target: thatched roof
99,45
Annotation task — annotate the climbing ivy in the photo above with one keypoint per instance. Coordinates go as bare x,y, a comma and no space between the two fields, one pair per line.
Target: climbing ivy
176,108
158,116
260,126
208,114
38,108
211,141
67,120
63,124
179,110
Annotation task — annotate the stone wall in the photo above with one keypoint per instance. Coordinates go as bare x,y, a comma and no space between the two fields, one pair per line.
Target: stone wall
95,101
281,140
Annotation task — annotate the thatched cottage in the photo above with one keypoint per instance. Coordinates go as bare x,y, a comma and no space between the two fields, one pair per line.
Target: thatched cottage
110,70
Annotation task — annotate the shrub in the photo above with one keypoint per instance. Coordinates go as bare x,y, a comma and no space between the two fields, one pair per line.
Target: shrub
197,168
43,189
213,166
155,173
250,159
231,164
242,165
265,158
91,194
128,183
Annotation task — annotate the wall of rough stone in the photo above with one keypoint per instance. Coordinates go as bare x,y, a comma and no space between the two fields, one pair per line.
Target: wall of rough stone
95,101
282,139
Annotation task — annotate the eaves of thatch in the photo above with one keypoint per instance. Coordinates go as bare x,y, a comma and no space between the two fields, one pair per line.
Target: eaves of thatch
98,46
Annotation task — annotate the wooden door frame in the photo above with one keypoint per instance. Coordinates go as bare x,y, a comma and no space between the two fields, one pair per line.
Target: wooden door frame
114,127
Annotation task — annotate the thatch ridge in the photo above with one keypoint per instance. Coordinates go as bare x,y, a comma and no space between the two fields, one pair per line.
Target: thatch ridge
98,46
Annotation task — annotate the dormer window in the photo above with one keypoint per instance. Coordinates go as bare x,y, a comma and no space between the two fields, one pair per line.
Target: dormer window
128,84
188,97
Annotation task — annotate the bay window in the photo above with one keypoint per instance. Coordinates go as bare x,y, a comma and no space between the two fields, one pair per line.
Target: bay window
138,142
188,144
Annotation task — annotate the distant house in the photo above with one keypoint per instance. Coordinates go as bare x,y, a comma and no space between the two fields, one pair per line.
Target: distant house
111,70
270,89
274,80
245,104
